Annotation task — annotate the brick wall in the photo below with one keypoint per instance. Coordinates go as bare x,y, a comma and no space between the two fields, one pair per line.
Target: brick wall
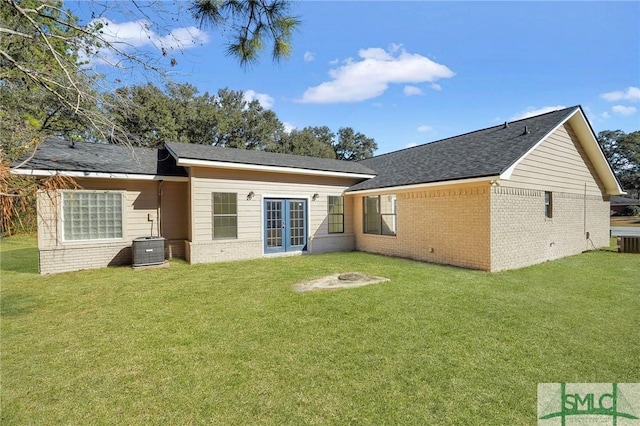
227,250
522,235
96,255
331,243
223,250
175,249
84,256
448,226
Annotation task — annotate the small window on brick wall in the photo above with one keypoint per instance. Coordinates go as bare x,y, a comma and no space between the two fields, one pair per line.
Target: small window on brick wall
548,204
225,215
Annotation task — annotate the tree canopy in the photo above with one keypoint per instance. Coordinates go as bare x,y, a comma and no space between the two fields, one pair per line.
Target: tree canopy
354,146
310,142
152,116
623,152
41,90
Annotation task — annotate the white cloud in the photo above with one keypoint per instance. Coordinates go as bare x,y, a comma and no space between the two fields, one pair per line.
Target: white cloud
411,145
288,127
139,33
624,110
413,91
335,61
632,94
436,86
425,128
531,111
309,56
605,115
132,33
369,77
127,36
265,100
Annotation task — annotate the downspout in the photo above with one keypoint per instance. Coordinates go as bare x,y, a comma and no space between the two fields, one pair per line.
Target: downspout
584,229
159,208
585,208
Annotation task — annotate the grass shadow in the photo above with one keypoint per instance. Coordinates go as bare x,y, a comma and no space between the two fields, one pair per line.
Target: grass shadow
16,304
23,260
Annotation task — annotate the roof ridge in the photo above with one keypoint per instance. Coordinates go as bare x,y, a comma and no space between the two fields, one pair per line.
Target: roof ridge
471,132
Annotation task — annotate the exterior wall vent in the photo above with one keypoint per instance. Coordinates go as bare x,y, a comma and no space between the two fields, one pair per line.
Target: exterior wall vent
148,251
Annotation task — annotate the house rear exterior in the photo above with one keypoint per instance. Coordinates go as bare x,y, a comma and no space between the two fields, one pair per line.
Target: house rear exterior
499,198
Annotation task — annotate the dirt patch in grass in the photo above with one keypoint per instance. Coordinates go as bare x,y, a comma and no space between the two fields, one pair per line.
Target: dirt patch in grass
335,281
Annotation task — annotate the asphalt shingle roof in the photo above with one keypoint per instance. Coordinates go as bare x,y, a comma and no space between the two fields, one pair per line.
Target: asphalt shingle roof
487,152
261,158
61,155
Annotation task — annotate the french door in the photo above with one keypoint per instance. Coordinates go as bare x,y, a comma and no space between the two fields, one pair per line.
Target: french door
285,225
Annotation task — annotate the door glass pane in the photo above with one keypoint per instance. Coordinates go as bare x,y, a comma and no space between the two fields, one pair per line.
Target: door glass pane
296,223
274,224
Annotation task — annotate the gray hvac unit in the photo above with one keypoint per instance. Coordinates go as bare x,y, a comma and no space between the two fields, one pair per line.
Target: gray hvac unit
148,251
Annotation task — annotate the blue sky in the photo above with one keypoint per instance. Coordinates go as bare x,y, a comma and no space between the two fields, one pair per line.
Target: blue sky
407,73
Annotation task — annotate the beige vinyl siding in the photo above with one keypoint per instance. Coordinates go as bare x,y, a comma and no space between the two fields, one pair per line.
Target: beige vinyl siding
249,243
140,204
559,164
175,211
49,223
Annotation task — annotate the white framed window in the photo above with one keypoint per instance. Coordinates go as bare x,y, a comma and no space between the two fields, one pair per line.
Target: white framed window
92,215
225,215
335,211
379,214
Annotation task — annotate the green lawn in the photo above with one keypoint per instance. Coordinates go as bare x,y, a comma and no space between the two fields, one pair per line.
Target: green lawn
232,343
